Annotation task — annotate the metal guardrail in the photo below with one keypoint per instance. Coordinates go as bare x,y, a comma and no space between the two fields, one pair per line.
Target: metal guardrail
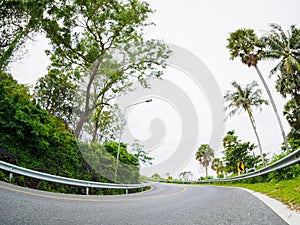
64,180
287,161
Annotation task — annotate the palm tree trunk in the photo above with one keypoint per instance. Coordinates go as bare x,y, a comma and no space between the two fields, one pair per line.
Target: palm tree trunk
274,107
257,137
206,172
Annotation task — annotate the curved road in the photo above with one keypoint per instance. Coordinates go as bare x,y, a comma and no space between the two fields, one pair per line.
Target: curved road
164,204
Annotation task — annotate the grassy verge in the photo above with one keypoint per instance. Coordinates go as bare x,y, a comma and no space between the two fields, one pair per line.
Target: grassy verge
286,191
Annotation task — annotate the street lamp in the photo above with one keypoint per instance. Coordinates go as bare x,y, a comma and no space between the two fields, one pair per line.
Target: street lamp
121,131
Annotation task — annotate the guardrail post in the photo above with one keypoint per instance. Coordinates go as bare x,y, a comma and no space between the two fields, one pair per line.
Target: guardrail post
87,191
126,191
10,176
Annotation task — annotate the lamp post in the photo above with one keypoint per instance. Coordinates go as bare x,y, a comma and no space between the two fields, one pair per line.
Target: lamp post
121,131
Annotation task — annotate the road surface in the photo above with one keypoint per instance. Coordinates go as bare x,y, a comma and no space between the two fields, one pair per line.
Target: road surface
164,204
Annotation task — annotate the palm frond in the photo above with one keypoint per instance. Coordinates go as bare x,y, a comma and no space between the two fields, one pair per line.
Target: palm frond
243,98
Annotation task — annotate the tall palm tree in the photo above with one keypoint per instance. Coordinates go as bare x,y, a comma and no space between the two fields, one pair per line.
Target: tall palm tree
245,99
286,48
245,44
204,155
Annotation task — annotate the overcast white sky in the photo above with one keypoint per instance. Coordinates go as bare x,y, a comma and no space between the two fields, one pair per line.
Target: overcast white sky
202,27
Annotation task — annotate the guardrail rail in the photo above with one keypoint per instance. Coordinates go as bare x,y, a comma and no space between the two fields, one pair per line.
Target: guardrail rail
64,180
287,161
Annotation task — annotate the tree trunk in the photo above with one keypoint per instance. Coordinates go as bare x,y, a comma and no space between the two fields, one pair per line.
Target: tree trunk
206,172
87,109
257,137
79,126
274,108
97,119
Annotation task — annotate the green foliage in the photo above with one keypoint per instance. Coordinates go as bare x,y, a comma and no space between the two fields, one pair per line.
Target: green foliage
185,175
142,155
204,155
285,47
156,176
245,44
286,173
30,133
125,157
18,20
56,91
236,151
32,138
292,114
245,99
110,28
103,159
206,178
217,165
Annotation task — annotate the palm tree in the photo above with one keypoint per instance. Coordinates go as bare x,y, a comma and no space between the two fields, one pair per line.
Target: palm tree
244,99
204,155
245,44
286,48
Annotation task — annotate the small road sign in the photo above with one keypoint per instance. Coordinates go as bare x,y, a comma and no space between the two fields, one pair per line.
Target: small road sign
241,167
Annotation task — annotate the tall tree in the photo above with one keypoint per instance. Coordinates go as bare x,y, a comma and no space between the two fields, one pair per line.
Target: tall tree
205,155
245,44
285,48
89,35
245,99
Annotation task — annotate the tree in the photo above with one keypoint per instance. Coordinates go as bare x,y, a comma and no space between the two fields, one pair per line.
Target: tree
87,35
292,114
128,169
244,99
107,123
286,48
217,165
56,91
204,155
143,156
156,176
237,151
186,175
245,44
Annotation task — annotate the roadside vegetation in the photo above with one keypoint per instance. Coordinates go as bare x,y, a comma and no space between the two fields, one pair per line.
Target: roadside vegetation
282,48
67,123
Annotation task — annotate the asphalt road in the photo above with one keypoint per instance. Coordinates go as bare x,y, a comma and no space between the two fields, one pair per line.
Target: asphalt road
164,204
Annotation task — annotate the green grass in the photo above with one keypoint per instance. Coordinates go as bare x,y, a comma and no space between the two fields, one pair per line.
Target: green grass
286,191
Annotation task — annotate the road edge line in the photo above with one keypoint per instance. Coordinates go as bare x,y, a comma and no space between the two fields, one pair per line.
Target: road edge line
292,217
